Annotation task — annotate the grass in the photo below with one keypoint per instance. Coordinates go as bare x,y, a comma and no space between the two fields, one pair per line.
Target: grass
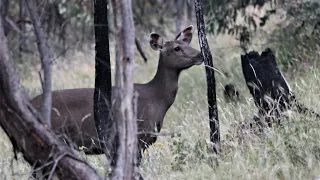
288,152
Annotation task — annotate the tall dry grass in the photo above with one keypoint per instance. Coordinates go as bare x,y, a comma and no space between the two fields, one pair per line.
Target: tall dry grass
288,152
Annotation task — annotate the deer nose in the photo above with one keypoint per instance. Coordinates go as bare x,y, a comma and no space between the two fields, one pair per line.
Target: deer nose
198,59
199,55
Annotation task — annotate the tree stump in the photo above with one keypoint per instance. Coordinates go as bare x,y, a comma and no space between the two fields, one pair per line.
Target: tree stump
271,92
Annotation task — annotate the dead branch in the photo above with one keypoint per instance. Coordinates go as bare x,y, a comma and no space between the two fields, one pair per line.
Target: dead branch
21,123
160,133
138,45
56,160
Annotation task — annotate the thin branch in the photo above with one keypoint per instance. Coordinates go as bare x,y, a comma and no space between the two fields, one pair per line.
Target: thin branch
160,133
56,161
41,80
138,45
63,52
13,25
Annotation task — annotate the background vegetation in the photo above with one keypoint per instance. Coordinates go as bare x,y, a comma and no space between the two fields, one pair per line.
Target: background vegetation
291,151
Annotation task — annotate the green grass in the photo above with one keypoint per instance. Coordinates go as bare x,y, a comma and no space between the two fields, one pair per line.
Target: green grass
288,152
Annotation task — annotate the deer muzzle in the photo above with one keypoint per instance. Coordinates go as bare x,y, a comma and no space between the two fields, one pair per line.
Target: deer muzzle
197,60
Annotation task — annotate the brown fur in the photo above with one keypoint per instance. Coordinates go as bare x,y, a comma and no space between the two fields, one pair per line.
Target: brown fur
73,108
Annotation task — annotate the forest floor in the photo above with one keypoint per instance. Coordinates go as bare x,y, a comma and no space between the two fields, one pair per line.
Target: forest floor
288,152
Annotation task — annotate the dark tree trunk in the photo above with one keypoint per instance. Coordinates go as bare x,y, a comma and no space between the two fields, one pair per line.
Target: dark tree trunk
268,87
139,48
211,82
23,126
45,56
271,92
102,94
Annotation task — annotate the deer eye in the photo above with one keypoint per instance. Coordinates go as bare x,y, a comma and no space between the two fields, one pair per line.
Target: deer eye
177,49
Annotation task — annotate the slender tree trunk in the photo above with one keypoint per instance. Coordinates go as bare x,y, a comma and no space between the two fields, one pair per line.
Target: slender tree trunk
4,12
45,56
102,93
190,9
116,5
125,106
179,15
22,26
35,140
211,82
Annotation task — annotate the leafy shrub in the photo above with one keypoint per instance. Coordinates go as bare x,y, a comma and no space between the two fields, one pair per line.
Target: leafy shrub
297,44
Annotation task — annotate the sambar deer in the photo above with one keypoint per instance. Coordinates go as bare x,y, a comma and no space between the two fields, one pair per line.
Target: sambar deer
72,109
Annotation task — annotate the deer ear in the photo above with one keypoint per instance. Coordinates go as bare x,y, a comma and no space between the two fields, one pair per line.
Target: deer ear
156,41
185,35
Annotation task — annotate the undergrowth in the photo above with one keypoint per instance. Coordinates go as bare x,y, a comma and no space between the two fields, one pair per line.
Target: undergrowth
291,151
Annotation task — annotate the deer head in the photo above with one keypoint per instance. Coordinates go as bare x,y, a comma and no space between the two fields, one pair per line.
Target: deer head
177,54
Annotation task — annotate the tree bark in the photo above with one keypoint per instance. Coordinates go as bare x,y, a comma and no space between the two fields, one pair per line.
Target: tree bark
179,15
125,105
102,94
21,123
4,12
270,90
45,56
189,10
211,82
22,27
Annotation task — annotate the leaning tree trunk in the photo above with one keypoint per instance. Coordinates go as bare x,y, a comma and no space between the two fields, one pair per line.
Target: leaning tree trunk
211,82
23,126
102,93
45,56
125,105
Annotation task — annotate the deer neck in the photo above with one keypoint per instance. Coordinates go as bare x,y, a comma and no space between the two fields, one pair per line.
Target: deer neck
165,83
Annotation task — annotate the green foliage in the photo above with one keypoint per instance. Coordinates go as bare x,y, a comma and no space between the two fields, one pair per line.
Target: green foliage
180,150
222,15
298,43
222,18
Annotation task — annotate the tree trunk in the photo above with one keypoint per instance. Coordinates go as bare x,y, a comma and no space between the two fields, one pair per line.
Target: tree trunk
271,92
39,145
179,15
45,56
22,27
125,105
102,94
4,12
189,10
211,82
268,87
